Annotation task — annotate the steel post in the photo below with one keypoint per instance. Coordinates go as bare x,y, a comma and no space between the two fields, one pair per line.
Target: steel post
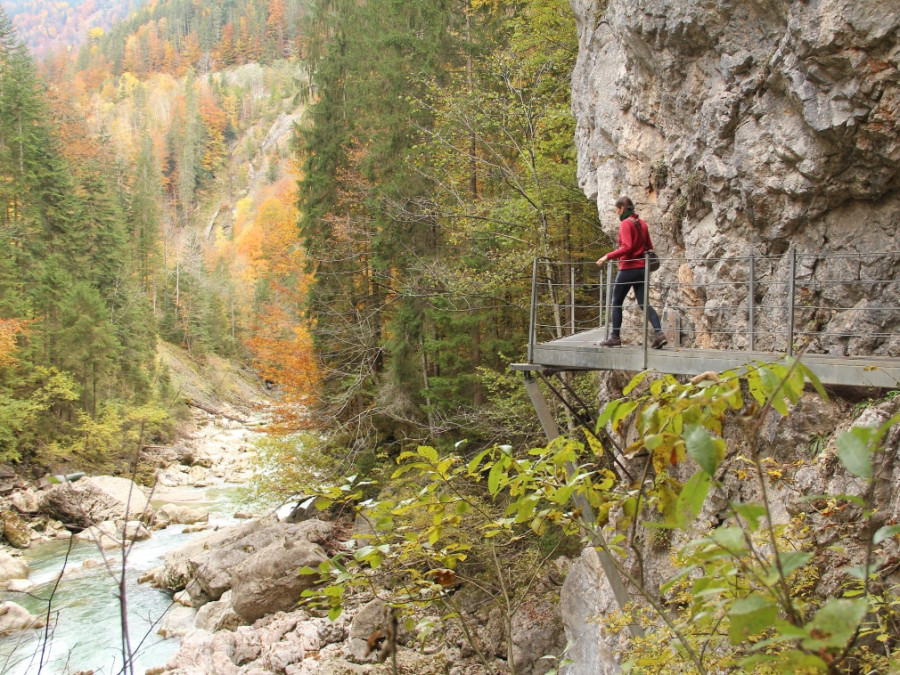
646,305
609,292
572,298
532,326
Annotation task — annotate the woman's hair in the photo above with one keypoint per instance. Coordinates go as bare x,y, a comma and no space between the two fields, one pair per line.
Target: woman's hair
625,203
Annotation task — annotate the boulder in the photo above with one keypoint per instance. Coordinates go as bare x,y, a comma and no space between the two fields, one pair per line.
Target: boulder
95,500
206,565
372,618
536,633
173,477
217,615
14,618
173,514
269,581
8,480
25,501
19,585
110,534
15,530
177,623
11,568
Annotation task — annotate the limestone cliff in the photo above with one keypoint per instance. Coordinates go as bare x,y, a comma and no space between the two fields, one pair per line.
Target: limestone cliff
743,126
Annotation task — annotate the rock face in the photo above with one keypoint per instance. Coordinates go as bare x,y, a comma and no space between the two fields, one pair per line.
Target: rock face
741,127
95,500
585,595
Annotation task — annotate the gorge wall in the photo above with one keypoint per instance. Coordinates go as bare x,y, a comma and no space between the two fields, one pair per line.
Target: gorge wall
745,127
742,126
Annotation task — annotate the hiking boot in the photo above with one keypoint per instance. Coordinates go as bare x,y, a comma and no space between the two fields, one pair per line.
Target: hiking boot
659,341
613,341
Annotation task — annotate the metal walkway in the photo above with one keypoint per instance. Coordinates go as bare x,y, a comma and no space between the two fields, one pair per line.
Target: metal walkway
842,312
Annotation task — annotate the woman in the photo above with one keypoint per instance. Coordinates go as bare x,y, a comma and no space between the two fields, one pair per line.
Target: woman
634,240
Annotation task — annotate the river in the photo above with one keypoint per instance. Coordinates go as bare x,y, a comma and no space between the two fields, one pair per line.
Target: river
86,633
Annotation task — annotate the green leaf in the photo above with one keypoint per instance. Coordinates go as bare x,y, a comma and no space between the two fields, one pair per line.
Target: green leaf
885,532
750,616
836,622
854,454
621,413
730,538
496,473
858,572
754,381
753,513
635,381
701,448
476,461
774,389
692,496
813,379
428,453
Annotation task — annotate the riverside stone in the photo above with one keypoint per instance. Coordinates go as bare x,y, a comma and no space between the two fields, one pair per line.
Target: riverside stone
95,500
15,530
15,618
173,514
269,581
110,534
11,568
207,565
218,615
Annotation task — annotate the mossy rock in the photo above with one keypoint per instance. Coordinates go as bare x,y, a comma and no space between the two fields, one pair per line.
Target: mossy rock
15,529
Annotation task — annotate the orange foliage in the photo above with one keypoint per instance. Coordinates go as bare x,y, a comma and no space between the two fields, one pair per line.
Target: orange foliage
9,328
284,354
215,122
265,248
67,99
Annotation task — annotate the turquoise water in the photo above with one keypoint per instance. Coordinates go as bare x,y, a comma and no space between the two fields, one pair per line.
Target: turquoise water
86,632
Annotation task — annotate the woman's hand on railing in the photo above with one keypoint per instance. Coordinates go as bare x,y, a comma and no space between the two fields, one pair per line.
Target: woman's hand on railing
602,261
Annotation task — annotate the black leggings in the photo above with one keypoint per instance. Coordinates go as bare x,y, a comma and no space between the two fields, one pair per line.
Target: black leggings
626,280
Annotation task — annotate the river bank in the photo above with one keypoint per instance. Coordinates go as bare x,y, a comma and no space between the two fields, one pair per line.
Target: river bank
74,583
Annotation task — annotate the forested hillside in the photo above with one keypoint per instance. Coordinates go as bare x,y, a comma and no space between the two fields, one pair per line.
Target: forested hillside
77,322
49,26
141,204
438,162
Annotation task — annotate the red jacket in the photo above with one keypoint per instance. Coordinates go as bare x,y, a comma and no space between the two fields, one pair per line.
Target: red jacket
631,244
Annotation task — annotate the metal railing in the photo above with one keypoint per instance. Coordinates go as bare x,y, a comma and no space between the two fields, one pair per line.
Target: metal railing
846,304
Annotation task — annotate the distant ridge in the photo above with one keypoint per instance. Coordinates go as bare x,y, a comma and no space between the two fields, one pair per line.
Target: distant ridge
49,25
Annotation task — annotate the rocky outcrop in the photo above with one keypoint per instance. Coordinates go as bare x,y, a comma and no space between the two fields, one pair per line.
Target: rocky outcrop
218,615
94,500
586,595
748,127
